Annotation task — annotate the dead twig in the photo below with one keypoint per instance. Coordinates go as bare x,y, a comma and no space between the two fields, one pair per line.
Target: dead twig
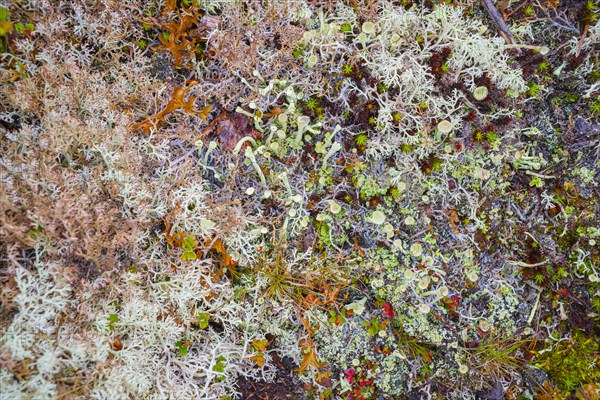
499,21
581,39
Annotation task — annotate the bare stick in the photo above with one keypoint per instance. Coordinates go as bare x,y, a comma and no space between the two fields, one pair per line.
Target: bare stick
498,20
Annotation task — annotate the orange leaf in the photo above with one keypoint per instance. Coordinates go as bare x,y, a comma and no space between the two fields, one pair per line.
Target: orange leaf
116,345
176,239
309,357
426,356
357,247
453,215
184,35
170,6
260,345
177,102
310,354
259,359
274,112
226,260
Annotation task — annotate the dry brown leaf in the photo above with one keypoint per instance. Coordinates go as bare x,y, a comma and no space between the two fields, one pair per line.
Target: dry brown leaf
259,359
176,239
184,34
276,111
309,357
170,6
177,102
230,128
453,216
589,391
357,247
548,392
225,259
331,294
116,345
309,354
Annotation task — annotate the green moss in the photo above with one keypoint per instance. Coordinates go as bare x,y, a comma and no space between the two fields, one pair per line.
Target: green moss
361,139
492,138
594,75
394,192
324,234
347,70
298,52
571,97
595,108
596,304
311,104
346,28
572,363
534,89
543,67
406,148
589,13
